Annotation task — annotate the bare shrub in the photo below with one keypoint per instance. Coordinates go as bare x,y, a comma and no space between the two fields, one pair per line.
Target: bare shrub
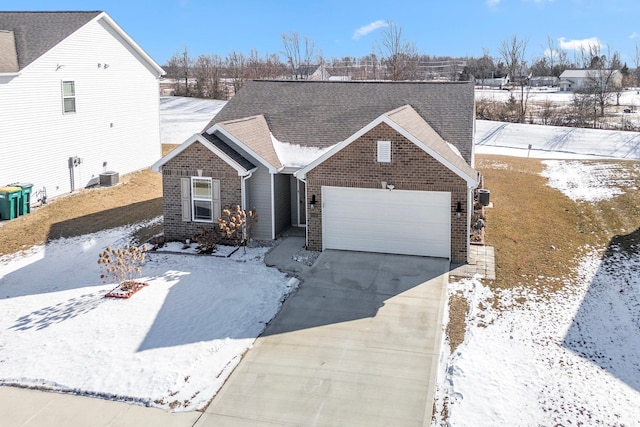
236,225
121,265
207,240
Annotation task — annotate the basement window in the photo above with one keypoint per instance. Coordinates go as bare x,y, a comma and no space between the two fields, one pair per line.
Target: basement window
69,97
384,151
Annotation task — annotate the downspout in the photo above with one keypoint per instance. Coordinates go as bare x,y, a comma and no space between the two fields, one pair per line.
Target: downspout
243,188
306,211
470,208
273,205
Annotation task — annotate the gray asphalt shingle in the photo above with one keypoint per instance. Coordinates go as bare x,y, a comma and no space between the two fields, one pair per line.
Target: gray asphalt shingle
321,114
38,32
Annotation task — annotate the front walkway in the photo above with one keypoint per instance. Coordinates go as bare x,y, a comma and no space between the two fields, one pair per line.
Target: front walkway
482,261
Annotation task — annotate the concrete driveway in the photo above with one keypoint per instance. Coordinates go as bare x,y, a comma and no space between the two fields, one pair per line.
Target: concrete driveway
356,345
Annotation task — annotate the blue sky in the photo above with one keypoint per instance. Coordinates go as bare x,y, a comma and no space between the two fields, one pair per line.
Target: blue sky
352,27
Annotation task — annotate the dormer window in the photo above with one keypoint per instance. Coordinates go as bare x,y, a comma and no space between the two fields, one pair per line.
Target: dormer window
384,151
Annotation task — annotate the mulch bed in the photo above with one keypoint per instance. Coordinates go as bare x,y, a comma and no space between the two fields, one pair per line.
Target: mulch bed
126,289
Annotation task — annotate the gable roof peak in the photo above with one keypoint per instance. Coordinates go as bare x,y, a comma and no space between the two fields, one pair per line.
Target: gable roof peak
38,32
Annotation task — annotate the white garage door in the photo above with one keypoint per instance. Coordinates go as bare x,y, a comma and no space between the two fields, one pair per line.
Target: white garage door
398,221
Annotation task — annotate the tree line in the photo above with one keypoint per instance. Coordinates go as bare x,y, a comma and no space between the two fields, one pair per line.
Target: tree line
395,58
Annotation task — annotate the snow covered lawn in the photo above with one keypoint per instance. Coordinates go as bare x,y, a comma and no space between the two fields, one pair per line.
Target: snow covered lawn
569,358
563,358
181,117
170,346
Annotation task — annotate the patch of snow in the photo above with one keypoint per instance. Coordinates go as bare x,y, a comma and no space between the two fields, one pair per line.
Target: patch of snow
171,345
455,150
554,142
590,181
181,117
295,155
568,358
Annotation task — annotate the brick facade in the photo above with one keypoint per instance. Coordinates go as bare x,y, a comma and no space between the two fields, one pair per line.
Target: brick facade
410,169
186,164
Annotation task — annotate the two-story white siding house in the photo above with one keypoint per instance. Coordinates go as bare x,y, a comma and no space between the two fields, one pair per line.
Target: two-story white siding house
78,97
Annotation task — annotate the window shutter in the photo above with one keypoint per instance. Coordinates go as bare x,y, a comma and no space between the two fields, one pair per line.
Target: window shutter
215,195
384,151
185,198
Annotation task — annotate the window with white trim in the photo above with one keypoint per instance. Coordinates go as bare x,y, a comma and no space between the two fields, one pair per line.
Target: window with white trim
384,151
68,97
202,199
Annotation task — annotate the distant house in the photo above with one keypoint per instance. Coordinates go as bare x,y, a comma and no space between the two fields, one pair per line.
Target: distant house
364,166
78,98
311,72
540,81
498,82
580,79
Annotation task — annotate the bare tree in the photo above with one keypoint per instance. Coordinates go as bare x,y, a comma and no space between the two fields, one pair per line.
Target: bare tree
636,62
180,66
274,67
485,66
399,54
237,68
512,52
297,54
604,78
207,71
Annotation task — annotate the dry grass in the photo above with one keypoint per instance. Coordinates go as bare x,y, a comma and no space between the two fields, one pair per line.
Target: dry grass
538,233
458,310
167,148
138,197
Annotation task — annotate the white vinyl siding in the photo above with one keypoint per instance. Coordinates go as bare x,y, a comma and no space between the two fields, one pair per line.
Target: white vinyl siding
117,119
68,97
398,221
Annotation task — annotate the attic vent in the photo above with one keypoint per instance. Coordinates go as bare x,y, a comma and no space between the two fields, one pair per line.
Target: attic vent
384,151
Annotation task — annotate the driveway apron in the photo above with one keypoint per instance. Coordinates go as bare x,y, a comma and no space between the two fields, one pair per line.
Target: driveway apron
356,345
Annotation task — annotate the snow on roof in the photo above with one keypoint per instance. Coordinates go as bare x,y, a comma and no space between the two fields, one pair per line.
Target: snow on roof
294,155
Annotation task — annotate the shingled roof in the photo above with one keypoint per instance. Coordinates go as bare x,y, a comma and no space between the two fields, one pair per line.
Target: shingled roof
37,32
321,114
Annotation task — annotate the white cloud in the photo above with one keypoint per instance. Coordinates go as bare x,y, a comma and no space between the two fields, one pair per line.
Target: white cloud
583,44
366,29
491,3
634,35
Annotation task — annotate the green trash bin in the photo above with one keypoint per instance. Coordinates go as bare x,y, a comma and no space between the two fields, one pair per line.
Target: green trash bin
10,202
24,205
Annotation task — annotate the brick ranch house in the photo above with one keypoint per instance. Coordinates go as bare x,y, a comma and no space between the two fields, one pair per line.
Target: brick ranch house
365,166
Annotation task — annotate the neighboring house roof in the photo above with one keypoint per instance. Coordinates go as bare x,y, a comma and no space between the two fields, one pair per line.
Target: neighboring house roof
38,32
406,121
8,55
583,74
321,114
306,70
